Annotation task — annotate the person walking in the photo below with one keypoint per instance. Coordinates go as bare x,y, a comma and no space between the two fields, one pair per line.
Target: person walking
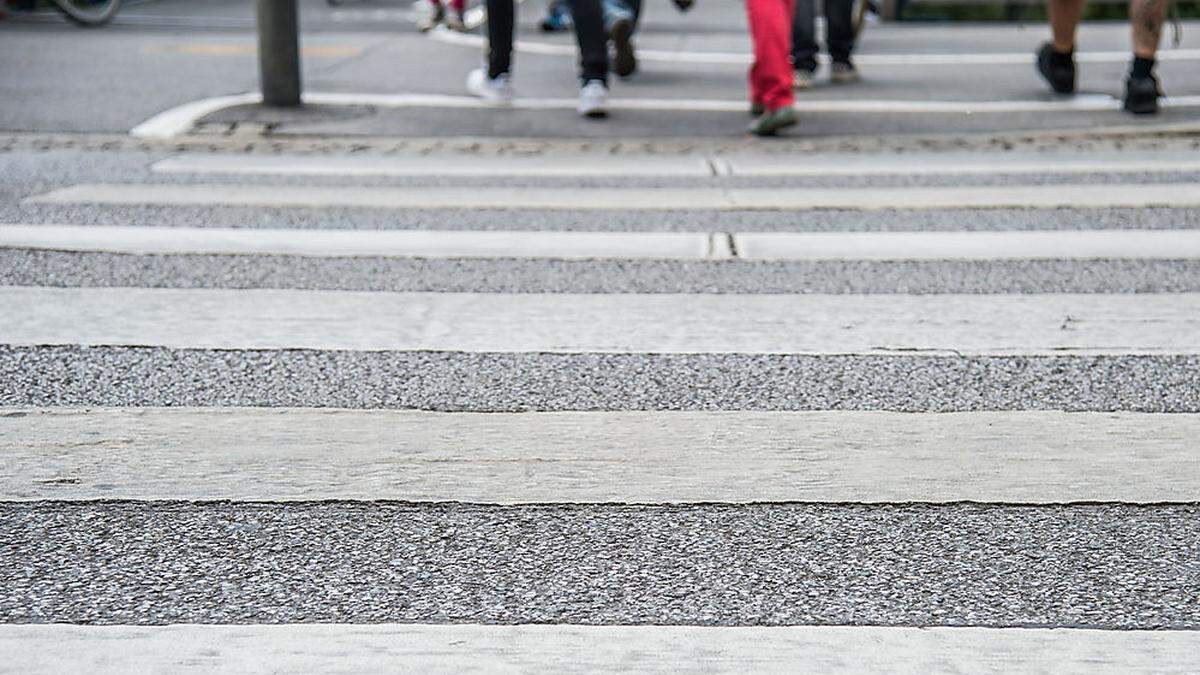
455,21
494,82
620,23
1056,58
771,97
839,41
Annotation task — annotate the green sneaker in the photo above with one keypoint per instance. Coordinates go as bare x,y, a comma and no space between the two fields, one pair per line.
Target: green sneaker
770,122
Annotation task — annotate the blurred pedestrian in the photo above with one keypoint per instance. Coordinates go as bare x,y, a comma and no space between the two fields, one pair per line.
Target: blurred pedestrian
621,19
839,41
494,82
771,98
1056,59
456,20
557,18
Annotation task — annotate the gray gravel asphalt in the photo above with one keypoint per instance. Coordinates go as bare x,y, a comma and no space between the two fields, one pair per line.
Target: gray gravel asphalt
22,267
135,376
1106,566
1100,566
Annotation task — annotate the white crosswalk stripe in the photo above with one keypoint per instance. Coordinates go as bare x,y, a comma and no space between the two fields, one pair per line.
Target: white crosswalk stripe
768,537
733,164
1087,196
395,243
1020,245
587,323
592,457
588,649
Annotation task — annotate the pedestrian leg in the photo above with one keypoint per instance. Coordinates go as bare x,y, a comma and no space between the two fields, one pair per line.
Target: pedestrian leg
1056,59
1142,90
804,41
770,30
771,75
620,21
501,18
588,17
839,29
1064,19
839,38
494,83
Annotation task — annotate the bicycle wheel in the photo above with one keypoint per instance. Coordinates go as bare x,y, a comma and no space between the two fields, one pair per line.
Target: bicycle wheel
88,12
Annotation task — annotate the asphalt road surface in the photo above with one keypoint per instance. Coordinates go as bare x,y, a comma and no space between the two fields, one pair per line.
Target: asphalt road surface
413,391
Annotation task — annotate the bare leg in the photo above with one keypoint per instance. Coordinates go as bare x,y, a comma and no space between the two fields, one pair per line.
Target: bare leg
1146,18
1064,18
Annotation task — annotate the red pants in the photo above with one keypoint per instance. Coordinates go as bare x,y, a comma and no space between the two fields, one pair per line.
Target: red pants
457,5
771,32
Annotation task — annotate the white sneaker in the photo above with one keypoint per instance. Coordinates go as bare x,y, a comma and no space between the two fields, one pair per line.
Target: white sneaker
456,22
431,20
498,89
593,99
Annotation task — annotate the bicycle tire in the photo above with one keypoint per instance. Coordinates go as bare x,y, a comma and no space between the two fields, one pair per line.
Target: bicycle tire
88,13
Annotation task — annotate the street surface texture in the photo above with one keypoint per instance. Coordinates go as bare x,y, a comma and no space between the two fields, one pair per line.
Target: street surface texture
400,379
1118,567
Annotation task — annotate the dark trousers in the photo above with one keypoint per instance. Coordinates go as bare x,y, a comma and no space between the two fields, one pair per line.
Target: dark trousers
589,32
839,34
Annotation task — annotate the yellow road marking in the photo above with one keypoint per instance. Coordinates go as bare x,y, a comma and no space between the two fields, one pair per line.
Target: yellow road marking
216,49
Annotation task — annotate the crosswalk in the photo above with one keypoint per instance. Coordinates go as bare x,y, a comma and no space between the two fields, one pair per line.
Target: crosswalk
223,453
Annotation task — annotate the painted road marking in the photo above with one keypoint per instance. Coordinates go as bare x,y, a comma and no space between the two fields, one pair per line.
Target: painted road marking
620,323
1016,245
226,49
258,454
975,164
49,649
1085,196
1083,102
744,58
391,243
474,167
695,167
181,119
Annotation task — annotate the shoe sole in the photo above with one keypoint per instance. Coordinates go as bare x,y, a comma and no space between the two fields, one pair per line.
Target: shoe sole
1057,87
594,114
775,129
624,61
1141,107
1064,90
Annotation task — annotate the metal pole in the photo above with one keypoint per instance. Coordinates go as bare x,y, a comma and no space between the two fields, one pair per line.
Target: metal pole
279,52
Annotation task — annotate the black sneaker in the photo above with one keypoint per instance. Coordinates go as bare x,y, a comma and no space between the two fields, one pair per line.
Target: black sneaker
1142,94
1057,68
621,34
